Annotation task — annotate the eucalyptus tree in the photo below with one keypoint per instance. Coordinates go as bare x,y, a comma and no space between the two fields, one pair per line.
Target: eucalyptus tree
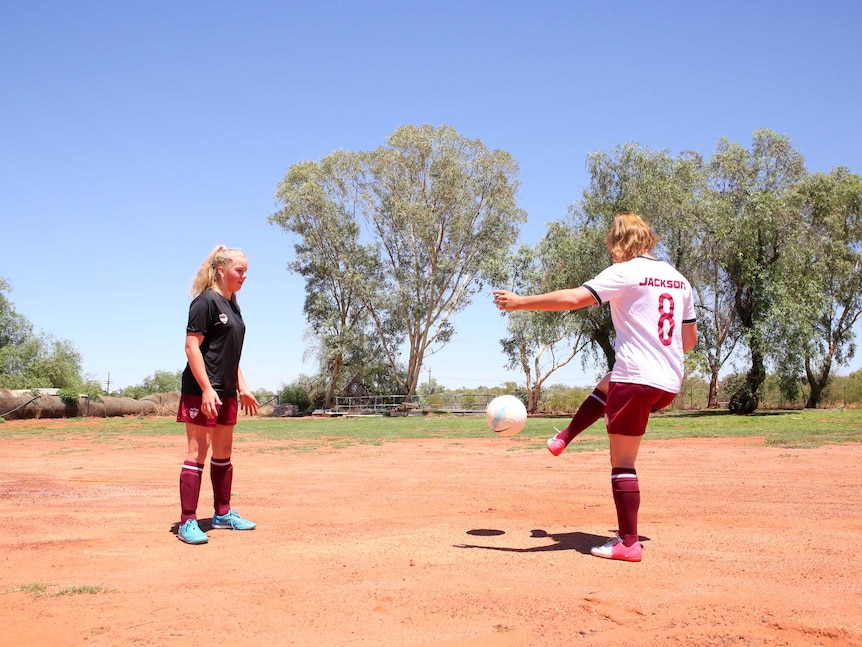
718,327
672,194
667,191
832,206
403,235
319,206
758,234
685,221
442,211
540,343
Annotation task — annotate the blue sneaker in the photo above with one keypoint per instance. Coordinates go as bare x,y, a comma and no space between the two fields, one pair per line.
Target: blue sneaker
191,533
232,521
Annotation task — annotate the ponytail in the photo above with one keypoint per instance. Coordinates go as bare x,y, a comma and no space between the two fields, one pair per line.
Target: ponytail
207,274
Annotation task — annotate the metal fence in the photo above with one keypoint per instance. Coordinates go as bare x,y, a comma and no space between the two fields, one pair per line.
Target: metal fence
450,403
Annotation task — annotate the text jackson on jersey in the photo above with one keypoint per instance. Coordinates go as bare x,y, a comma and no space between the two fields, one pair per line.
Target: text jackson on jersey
663,283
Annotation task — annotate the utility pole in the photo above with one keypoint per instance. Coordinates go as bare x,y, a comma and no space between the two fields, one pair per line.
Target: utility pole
108,384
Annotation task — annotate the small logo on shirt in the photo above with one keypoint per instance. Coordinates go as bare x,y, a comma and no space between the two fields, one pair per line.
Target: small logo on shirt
194,412
223,318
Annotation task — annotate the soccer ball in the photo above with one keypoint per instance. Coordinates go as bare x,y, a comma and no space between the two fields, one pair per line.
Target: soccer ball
506,415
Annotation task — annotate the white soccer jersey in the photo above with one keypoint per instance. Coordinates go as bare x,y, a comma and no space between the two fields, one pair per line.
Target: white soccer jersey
650,300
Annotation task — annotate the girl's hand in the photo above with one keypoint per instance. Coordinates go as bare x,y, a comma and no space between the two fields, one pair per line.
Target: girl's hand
210,403
248,402
506,300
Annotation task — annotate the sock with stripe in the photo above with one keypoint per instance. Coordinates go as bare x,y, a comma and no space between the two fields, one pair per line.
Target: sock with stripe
589,412
190,489
627,498
221,474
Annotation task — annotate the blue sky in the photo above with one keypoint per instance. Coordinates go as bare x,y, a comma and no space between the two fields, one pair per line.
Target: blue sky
137,136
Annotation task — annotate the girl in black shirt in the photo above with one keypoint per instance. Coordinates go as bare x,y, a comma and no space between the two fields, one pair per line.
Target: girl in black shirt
213,389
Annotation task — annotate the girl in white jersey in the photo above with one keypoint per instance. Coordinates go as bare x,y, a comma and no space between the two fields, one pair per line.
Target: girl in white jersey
652,308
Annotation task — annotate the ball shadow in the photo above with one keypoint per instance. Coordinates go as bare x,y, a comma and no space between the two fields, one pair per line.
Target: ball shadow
581,542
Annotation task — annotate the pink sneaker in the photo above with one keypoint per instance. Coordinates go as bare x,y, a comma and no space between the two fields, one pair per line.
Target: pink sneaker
556,445
614,548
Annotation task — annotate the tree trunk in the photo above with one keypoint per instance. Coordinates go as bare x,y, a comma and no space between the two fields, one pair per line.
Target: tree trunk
817,383
337,365
745,400
533,397
712,398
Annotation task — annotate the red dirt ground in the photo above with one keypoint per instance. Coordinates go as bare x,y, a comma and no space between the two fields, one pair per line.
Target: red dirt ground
432,542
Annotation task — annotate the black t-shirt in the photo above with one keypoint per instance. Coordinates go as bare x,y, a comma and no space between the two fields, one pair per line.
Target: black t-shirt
220,322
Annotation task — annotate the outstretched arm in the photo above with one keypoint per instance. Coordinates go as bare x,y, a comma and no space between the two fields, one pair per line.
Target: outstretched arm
556,301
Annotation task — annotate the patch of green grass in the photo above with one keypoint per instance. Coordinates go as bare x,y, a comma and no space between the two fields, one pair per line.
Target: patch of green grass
797,429
806,428
286,449
38,589
81,590
33,588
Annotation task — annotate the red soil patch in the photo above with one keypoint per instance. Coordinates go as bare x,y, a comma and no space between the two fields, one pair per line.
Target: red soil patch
430,542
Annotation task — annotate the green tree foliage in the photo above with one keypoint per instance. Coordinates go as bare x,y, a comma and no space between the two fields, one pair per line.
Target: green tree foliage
671,193
695,390
158,382
441,208
14,328
320,209
758,238
439,212
429,387
832,209
58,364
853,387
30,360
559,398
264,396
296,393
718,325
761,240
394,241
667,191
540,343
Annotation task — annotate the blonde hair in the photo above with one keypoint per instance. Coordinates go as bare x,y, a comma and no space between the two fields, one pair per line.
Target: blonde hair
207,275
629,236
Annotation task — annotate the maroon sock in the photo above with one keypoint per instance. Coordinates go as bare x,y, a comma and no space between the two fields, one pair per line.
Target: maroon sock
590,410
627,498
190,489
221,473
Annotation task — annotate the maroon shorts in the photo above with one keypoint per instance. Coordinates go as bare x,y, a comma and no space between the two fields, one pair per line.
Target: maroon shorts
190,411
629,405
